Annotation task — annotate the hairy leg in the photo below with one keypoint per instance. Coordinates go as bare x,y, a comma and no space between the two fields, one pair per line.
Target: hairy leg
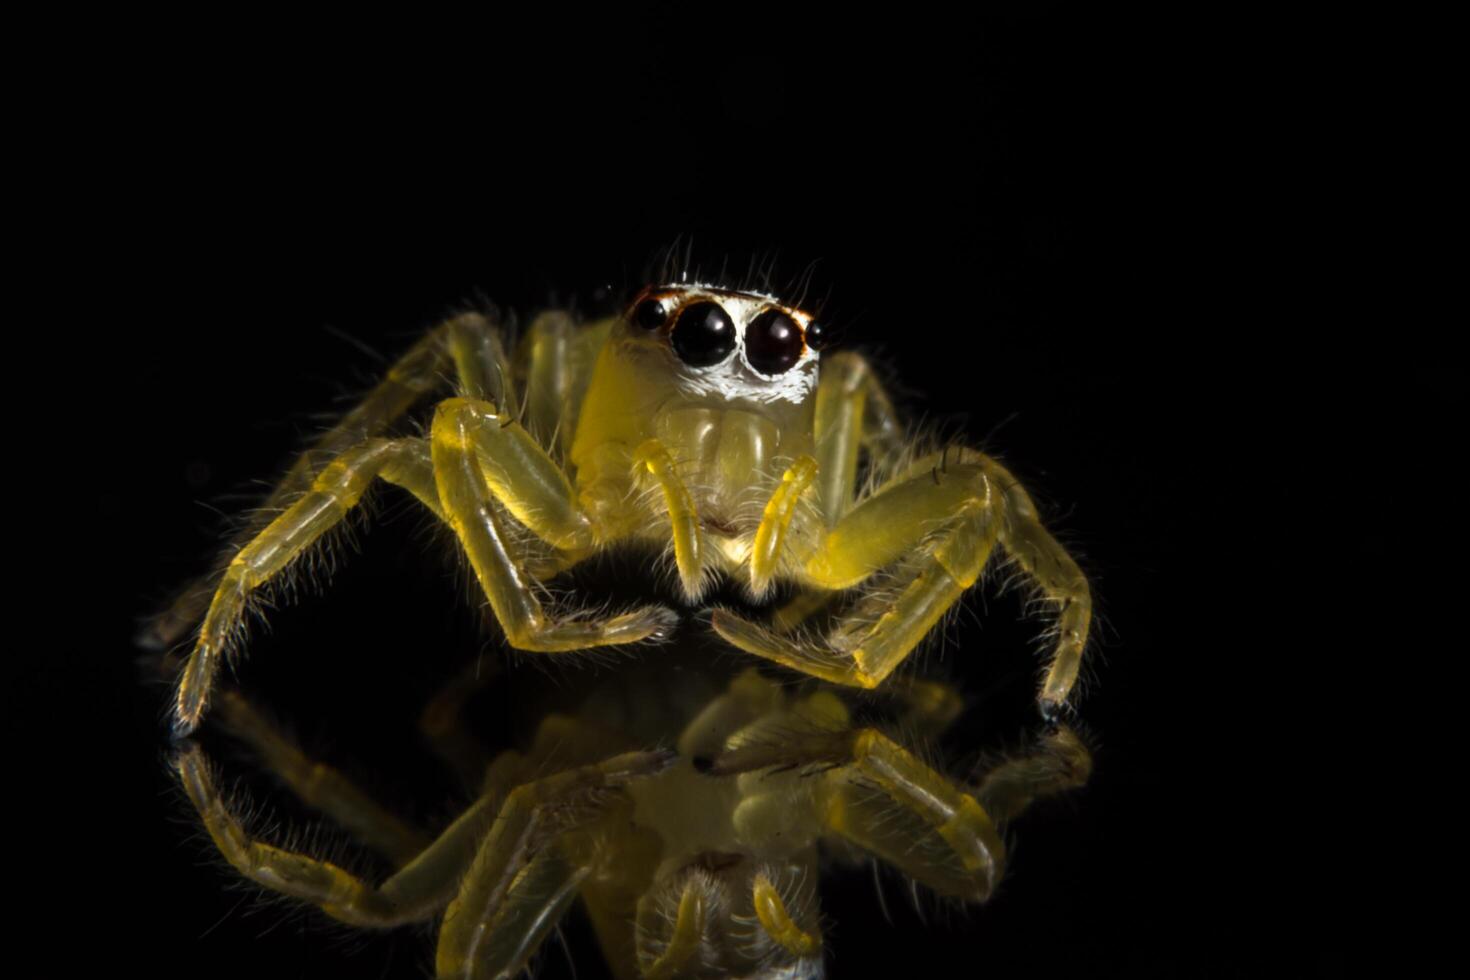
334,493
476,460
486,927
415,892
482,459
1056,762
556,360
469,343
936,526
882,798
318,785
869,640
852,412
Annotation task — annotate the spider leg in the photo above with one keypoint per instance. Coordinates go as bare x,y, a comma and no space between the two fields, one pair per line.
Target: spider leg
1058,761
937,530
475,458
944,835
1027,542
469,342
414,893
882,798
558,356
318,785
562,742
481,458
334,492
1055,573
852,412
866,643
748,698
520,880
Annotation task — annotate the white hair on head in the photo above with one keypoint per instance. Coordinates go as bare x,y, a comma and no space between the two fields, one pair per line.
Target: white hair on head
734,378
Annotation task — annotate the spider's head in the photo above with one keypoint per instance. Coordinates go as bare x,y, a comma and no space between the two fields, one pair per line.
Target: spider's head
685,360
723,344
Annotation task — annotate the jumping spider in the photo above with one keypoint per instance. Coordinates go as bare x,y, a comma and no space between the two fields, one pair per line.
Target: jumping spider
698,417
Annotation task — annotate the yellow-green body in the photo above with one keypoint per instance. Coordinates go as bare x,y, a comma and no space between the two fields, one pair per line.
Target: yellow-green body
728,455
584,438
698,859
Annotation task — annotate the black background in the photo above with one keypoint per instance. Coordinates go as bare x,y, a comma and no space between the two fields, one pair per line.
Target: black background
1061,233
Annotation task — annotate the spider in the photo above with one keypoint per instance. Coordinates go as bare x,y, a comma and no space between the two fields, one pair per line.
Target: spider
699,418
699,860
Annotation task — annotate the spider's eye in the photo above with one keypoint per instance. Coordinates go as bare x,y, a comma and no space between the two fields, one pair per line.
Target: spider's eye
817,335
773,342
651,314
704,334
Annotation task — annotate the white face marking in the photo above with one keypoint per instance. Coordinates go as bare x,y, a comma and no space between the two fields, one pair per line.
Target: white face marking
733,379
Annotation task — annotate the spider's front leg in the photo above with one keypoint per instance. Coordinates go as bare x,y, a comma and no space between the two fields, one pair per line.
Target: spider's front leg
476,460
469,344
481,456
936,525
333,494
519,881
418,890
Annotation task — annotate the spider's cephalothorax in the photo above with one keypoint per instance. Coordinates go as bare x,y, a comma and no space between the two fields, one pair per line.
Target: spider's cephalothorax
698,418
700,421
708,395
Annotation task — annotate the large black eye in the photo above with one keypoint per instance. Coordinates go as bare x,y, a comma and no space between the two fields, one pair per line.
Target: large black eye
651,314
703,335
817,335
773,342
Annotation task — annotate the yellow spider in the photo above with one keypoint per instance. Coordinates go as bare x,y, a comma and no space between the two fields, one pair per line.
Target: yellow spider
699,417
